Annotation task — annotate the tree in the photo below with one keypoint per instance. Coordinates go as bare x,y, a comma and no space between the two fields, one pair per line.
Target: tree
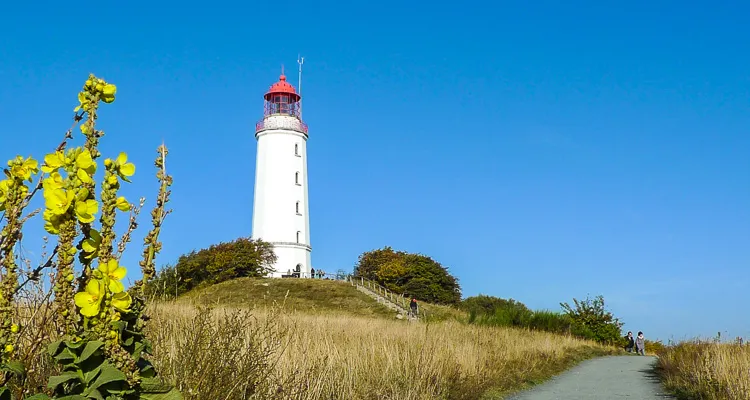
243,257
416,275
592,321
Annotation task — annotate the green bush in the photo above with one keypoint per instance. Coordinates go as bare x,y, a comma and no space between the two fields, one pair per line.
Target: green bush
592,321
243,257
415,275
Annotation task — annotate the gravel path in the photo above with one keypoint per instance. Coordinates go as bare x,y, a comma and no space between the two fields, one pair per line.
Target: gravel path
606,378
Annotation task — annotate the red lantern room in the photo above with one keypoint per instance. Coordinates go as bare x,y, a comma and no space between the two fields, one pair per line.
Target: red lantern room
282,99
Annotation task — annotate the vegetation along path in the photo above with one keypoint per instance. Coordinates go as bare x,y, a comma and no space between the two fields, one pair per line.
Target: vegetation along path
606,378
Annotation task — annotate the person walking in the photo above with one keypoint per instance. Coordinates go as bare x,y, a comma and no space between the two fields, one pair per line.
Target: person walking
631,342
640,344
312,273
413,307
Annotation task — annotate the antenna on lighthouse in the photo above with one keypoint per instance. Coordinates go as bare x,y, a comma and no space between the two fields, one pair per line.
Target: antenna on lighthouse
300,61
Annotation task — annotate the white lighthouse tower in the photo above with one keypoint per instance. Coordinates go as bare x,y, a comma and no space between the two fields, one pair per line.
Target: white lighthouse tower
280,208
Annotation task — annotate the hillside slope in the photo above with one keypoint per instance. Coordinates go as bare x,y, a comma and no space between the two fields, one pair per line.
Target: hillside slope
302,295
305,295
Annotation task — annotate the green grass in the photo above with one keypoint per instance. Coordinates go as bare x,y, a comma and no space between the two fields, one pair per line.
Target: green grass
303,295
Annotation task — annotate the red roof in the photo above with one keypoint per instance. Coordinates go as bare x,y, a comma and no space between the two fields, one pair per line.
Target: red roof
282,87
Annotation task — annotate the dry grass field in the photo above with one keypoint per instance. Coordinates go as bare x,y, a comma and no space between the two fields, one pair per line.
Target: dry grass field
229,353
703,370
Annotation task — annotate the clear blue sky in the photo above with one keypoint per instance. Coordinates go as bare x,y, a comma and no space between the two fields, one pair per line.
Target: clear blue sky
542,152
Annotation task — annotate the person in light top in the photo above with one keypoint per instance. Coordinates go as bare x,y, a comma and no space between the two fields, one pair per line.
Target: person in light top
640,344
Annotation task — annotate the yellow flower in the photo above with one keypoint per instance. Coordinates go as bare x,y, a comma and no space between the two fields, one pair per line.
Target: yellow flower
90,300
113,273
14,328
4,187
58,201
108,93
86,209
54,181
84,102
92,243
86,166
123,167
9,348
123,204
53,161
121,301
23,169
51,222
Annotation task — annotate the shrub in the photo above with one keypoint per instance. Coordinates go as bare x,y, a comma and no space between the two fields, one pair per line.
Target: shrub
592,321
415,275
243,257
93,329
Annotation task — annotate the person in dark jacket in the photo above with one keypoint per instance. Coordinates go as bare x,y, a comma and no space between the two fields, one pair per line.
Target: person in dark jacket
631,342
413,307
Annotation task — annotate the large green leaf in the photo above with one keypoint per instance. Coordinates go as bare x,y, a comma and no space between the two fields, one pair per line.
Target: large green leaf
107,375
57,380
71,397
54,348
89,350
14,367
5,393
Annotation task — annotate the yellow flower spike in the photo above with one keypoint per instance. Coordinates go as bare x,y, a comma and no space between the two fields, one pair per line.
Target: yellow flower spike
9,347
91,244
122,301
90,300
85,210
113,272
14,328
124,168
122,204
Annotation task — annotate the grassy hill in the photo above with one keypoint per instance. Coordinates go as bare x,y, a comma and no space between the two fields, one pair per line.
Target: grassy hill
304,295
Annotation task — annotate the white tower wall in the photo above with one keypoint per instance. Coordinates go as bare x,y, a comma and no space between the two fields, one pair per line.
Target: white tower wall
280,185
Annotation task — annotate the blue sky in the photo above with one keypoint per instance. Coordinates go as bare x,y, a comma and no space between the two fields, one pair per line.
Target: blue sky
542,152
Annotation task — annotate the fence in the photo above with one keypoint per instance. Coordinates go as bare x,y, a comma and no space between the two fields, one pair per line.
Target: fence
399,299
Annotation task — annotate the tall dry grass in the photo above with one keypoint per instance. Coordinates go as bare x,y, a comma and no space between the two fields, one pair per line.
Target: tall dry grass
269,354
704,370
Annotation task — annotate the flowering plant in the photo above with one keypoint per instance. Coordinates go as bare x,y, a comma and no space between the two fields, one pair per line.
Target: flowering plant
100,348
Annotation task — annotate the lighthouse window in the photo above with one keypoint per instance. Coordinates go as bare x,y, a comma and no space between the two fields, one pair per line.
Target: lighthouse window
296,149
298,232
297,208
296,178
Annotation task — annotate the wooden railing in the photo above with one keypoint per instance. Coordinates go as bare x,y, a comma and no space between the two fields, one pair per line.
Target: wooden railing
398,299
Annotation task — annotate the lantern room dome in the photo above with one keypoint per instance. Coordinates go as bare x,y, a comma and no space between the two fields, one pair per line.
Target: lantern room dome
282,87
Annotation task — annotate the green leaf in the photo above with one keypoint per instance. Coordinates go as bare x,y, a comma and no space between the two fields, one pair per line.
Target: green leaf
54,348
14,367
5,393
65,355
93,394
57,380
89,350
91,375
107,375
71,397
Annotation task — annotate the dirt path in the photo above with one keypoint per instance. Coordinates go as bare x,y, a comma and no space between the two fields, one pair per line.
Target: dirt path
606,378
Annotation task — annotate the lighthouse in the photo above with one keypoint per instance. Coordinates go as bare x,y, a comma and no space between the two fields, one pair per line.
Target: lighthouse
280,207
